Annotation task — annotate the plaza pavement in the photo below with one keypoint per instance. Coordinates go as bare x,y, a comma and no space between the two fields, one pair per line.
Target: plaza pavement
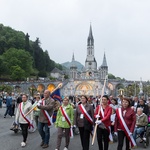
11,141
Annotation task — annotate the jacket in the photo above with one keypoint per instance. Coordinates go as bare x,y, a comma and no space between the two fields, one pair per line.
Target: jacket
59,119
49,106
129,118
36,111
19,118
142,120
83,122
107,114
8,101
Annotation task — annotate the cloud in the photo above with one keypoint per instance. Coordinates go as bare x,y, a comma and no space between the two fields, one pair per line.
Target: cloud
120,28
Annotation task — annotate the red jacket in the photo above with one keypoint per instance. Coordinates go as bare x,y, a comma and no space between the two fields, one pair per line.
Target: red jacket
129,118
107,114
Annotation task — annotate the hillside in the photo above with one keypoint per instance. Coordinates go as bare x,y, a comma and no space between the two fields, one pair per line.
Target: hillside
21,58
78,64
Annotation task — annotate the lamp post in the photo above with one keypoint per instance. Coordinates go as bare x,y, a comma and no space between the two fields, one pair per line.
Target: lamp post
135,88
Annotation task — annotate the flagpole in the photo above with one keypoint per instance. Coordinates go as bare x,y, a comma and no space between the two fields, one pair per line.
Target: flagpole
58,87
102,93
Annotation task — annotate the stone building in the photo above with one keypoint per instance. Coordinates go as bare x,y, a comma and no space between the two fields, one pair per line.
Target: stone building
90,79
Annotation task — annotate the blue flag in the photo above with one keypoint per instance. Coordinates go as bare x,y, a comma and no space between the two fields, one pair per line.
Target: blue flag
56,95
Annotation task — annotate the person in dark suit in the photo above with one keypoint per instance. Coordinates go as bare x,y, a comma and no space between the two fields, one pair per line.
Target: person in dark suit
143,106
84,124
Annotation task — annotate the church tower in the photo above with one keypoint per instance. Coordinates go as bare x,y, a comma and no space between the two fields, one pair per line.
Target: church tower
73,68
103,68
90,63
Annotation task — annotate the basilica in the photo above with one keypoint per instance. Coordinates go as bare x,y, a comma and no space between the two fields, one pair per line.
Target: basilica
89,81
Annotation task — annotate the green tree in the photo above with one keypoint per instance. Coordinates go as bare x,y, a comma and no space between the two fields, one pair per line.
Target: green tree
39,60
6,88
17,73
10,38
3,66
20,60
111,76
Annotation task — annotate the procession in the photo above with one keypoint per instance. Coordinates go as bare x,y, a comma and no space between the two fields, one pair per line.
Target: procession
106,121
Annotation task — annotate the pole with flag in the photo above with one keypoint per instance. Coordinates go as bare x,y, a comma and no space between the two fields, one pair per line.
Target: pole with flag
58,100
58,87
95,129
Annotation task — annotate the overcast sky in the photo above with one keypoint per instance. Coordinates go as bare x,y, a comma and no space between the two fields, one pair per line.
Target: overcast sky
121,28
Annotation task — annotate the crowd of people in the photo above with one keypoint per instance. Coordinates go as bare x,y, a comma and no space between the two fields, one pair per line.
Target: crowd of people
116,119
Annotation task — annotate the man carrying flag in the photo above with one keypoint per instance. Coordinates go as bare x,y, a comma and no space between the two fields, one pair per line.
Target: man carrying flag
58,100
46,106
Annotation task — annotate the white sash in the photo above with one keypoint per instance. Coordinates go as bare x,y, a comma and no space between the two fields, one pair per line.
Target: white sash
67,119
86,115
126,129
31,127
109,128
47,115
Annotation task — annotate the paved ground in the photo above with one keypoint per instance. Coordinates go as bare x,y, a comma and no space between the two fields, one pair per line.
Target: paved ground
11,141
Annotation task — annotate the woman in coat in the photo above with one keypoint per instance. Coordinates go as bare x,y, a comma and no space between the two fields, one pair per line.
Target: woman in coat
125,123
84,119
25,122
64,122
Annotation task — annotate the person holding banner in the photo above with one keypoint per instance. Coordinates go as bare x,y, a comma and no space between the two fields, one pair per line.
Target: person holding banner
46,106
103,113
124,124
64,122
84,118
24,121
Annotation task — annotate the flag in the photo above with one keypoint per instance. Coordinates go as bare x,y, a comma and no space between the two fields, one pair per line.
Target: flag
56,95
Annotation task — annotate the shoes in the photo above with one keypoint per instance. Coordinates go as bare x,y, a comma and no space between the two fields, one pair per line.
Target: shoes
42,143
4,116
141,141
56,149
12,128
134,147
65,148
45,146
23,144
144,139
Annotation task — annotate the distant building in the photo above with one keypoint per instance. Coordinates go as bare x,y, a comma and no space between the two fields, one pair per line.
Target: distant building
56,73
90,71
88,81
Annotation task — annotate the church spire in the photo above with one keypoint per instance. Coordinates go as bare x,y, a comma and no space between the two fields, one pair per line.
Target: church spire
90,40
73,61
73,57
104,64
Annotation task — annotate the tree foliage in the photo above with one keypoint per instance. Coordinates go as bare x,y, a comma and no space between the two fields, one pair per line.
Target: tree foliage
5,88
19,54
111,76
18,63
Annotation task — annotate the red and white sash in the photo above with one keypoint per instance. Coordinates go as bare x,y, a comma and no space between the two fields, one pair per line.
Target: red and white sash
22,113
86,115
108,128
125,128
47,115
67,119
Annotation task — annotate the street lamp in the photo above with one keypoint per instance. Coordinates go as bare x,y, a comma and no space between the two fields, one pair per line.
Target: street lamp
135,88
